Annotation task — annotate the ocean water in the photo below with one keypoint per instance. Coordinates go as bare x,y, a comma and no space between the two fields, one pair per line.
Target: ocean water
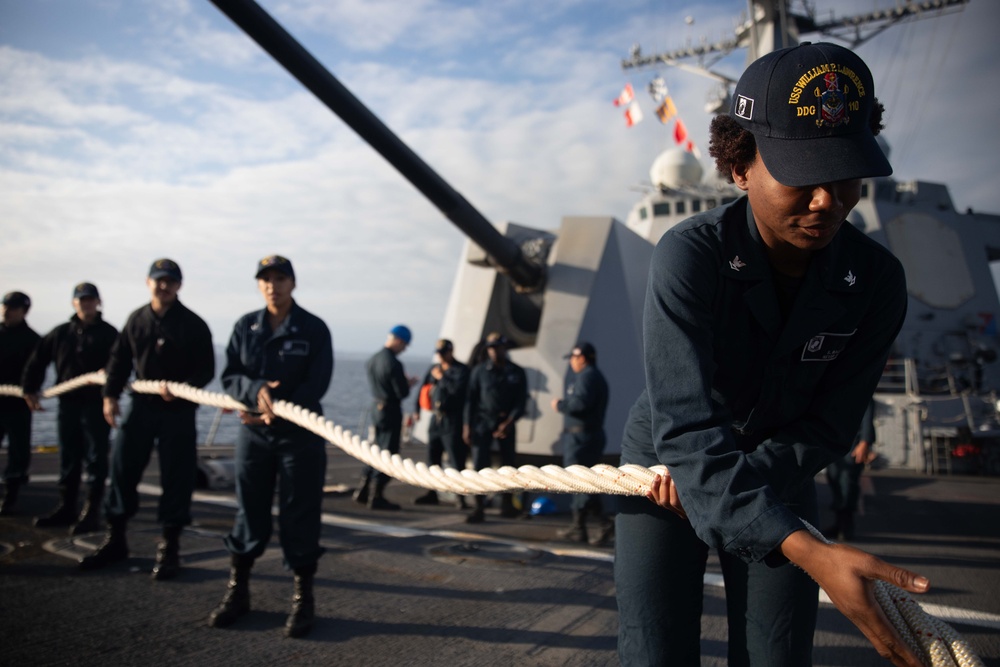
346,403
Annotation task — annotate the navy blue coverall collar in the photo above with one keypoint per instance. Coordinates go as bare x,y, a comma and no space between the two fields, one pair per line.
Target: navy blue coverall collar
830,274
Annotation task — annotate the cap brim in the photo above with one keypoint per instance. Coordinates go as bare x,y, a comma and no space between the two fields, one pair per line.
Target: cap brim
801,162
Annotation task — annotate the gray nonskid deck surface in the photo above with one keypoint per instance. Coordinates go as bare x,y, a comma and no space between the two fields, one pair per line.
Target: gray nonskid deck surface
421,587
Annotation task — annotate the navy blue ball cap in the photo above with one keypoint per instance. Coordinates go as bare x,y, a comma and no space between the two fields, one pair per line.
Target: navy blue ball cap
278,263
16,300
402,332
165,268
86,289
496,339
808,108
583,349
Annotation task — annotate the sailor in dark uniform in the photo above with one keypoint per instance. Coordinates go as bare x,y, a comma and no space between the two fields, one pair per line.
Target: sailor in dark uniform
766,328
389,386
583,440
282,352
163,340
17,342
498,395
448,380
82,345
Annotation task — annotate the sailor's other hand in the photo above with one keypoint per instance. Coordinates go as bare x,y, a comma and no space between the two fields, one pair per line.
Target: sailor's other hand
848,576
265,403
250,419
165,392
663,492
111,411
466,434
34,404
555,405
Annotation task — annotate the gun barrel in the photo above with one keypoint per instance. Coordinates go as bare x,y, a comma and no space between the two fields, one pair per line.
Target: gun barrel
287,51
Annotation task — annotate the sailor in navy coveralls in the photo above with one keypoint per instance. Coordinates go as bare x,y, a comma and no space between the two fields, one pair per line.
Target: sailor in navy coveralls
282,352
766,328
163,340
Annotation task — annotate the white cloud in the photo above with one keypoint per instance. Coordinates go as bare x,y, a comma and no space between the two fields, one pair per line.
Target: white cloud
180,138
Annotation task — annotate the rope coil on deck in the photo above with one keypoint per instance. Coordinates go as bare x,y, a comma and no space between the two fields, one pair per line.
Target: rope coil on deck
936,642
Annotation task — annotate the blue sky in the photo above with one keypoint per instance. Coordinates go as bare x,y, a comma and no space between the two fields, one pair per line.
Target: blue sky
137,129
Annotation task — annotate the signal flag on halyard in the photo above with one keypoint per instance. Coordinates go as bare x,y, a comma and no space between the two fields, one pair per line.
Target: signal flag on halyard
666,110
680,133
633,114
658,89
626,97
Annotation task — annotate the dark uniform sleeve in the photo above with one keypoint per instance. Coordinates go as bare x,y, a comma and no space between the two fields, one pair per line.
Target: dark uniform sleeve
867,431
730,496
202,354
237,380
120,362
472,397
41,357
400,385
521,400
450,391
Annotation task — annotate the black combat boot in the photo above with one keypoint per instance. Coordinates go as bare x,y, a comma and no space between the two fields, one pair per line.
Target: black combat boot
577,531
378,501
168,554
9,502
429,498
300,621
236,602
361,493
65,512
479,513
605,531
113,549
507,509
90,518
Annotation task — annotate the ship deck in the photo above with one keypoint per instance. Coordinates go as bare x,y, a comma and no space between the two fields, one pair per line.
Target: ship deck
422,587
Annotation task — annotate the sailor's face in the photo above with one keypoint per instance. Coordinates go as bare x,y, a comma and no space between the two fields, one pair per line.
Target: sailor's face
12,315
796,218
86,307
163,290
276,288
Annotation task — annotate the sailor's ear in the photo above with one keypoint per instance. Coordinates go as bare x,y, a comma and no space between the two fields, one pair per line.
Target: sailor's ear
739,172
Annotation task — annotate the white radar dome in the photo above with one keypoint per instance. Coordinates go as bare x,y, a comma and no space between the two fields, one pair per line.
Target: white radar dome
676,169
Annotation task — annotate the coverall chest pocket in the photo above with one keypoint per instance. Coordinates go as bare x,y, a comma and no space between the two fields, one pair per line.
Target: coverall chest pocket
293,358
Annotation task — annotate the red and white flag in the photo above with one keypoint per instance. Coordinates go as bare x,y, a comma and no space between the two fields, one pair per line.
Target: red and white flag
626,97
633,114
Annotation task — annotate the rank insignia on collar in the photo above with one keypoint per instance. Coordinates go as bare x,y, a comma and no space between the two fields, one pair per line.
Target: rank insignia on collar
850,278
735,264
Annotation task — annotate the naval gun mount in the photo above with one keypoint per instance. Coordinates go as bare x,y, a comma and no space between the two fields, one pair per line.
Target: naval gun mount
544,291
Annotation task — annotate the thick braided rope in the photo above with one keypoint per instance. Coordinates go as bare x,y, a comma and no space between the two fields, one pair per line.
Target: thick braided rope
934,640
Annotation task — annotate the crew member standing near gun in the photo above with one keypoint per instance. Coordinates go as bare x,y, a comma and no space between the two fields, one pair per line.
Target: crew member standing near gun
498,395
82,345
282,352
389,386
448,380
163,340
17,342
583,440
